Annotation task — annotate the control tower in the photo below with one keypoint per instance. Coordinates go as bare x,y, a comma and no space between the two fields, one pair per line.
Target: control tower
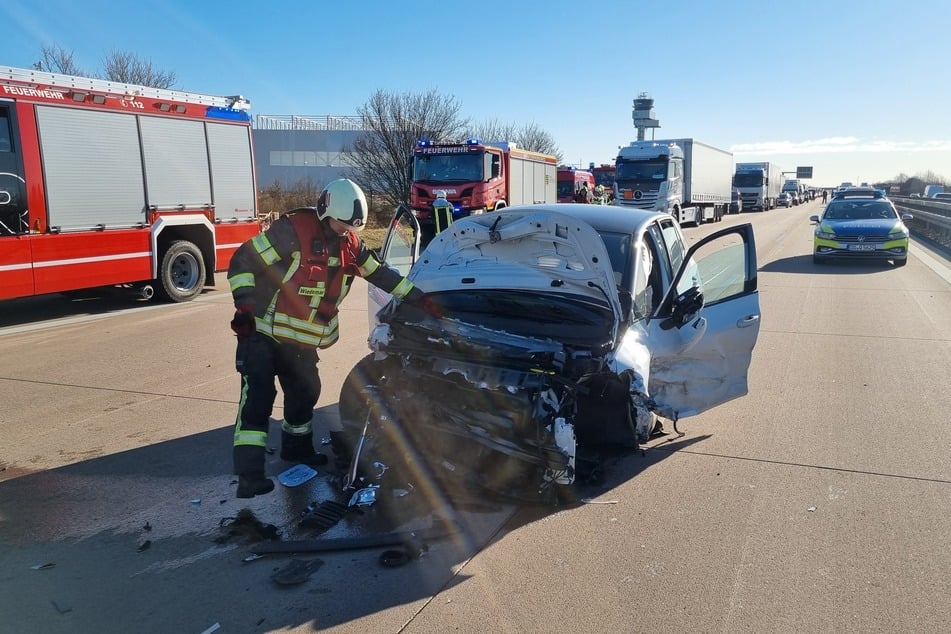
643,115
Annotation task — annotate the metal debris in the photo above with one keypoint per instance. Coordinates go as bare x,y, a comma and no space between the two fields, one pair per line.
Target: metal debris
365,496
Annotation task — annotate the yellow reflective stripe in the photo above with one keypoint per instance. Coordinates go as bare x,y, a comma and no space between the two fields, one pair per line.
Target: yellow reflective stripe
241,280
303,338
263,246
250,438
284,320
295,264
402,289
368,267
333,261
296,430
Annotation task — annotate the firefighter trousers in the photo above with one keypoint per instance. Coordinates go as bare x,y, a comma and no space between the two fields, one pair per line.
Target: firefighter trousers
260,360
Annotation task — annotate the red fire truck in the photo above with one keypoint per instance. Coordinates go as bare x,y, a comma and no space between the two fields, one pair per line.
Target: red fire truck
604,175
106,184
570,181
475,177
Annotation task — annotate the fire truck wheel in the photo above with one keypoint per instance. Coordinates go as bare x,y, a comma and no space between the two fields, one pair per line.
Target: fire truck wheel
182,273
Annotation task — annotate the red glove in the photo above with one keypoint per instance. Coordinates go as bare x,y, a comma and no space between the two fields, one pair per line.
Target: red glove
243,322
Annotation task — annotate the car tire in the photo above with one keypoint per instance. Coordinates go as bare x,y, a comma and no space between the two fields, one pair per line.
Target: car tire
901,262
181,272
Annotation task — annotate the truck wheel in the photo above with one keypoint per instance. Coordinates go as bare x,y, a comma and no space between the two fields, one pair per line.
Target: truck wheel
182,272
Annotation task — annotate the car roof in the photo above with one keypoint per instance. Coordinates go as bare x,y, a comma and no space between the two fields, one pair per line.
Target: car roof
608,218
851,192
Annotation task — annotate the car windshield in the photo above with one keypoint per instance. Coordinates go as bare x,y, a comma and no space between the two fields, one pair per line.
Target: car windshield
741,179
859,210
642,170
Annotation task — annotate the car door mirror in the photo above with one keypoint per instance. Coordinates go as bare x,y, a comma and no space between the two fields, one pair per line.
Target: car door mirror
813,218
684,309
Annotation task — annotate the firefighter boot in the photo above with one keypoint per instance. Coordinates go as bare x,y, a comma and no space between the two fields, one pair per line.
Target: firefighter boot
249,463
300,449
254,484
342,446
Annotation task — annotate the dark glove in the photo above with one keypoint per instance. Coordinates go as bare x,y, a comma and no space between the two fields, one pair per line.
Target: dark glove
420,299
243,322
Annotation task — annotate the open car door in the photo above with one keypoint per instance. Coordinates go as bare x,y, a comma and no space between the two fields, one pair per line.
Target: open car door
703,334
400,250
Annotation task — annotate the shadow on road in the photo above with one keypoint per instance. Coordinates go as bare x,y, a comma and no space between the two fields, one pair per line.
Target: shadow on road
804,264
149,525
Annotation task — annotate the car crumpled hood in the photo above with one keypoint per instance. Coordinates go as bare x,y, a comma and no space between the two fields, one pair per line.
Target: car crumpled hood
519,249
872,227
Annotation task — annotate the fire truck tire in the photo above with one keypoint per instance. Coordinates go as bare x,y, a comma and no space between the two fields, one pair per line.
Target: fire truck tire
181,273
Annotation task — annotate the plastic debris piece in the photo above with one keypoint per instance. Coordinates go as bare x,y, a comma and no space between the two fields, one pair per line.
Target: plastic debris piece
400,493
298,571
380,469
325,440
252,557
196,500
145,545
365,496
296,475
811,509
593,501
214,628
45,566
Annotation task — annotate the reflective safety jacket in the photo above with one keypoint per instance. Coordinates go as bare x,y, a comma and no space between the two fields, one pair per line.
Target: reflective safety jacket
295,275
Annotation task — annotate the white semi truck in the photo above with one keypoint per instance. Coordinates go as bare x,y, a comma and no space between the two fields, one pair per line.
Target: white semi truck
759,185
689,179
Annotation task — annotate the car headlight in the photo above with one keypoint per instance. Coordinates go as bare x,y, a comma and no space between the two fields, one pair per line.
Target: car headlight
898,235
825,235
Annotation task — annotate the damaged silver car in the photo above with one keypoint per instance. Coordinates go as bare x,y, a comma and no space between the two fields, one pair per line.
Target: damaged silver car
549,330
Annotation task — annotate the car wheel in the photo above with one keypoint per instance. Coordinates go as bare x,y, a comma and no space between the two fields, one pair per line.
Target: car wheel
901,262
182,272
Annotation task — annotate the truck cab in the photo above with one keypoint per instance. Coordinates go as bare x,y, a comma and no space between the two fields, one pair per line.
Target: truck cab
649,176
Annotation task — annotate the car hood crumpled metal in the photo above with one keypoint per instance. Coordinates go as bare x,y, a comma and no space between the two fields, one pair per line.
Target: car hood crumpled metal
536,251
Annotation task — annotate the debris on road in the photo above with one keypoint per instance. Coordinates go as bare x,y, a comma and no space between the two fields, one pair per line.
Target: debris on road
296,475
247,526
297,571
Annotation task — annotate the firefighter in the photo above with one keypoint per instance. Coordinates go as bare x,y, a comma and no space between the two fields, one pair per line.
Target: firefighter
600,195
288,283
583,195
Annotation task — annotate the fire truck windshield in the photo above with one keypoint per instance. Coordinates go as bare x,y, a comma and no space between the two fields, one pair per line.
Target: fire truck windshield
448,168
642,170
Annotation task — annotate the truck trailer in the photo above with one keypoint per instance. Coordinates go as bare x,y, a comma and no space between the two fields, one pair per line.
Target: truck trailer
475,178
759,185
689,179
110,184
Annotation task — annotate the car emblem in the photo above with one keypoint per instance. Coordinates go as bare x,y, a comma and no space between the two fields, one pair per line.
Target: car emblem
638,195
861,238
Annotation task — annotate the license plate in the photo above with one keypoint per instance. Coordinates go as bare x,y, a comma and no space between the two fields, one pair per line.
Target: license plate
861,247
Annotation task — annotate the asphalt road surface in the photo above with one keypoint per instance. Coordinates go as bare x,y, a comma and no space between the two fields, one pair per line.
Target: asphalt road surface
818,502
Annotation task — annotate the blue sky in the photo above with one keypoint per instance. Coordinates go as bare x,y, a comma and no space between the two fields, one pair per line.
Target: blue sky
856,89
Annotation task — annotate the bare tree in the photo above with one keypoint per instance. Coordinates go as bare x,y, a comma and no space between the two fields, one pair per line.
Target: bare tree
393,124
56,59
528,136
128,68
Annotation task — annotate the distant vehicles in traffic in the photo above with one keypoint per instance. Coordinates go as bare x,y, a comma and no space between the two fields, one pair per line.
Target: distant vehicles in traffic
942,196
785,199
860,223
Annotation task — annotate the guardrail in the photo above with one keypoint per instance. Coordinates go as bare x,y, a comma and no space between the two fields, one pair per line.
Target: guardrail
932,218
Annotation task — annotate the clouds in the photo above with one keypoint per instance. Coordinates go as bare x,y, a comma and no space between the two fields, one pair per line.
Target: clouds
838,145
